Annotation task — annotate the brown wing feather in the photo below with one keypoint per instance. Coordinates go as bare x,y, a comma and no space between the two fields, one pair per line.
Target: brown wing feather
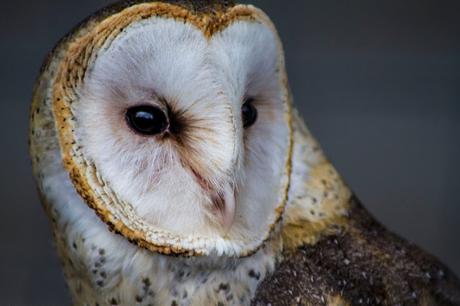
363,264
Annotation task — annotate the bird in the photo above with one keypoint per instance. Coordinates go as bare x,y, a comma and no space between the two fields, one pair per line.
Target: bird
175,170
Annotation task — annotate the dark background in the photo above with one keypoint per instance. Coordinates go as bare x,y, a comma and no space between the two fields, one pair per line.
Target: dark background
376,81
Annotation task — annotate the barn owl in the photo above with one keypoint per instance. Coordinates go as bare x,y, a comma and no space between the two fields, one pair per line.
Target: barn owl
176,171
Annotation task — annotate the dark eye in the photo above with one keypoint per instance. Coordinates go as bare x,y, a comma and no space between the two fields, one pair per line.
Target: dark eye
249,113
147,120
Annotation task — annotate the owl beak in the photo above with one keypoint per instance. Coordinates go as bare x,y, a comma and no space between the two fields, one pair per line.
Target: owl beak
224,203
229,207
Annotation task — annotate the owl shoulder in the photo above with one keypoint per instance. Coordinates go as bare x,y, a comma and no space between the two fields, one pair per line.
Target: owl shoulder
359,264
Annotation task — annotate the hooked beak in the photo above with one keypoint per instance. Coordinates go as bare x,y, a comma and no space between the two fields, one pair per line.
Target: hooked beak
226,206
223,201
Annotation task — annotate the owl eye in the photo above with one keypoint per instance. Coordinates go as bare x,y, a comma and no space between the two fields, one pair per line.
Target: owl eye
249,113
147,120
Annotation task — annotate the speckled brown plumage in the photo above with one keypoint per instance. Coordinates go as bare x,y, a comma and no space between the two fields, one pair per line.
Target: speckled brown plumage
362,264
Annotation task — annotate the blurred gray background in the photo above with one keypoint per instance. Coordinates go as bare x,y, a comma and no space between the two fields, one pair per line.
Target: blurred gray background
378,82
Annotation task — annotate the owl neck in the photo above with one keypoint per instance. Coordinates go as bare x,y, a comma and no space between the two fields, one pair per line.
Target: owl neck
318,197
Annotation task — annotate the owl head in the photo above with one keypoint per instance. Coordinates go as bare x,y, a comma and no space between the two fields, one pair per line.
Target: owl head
173,119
